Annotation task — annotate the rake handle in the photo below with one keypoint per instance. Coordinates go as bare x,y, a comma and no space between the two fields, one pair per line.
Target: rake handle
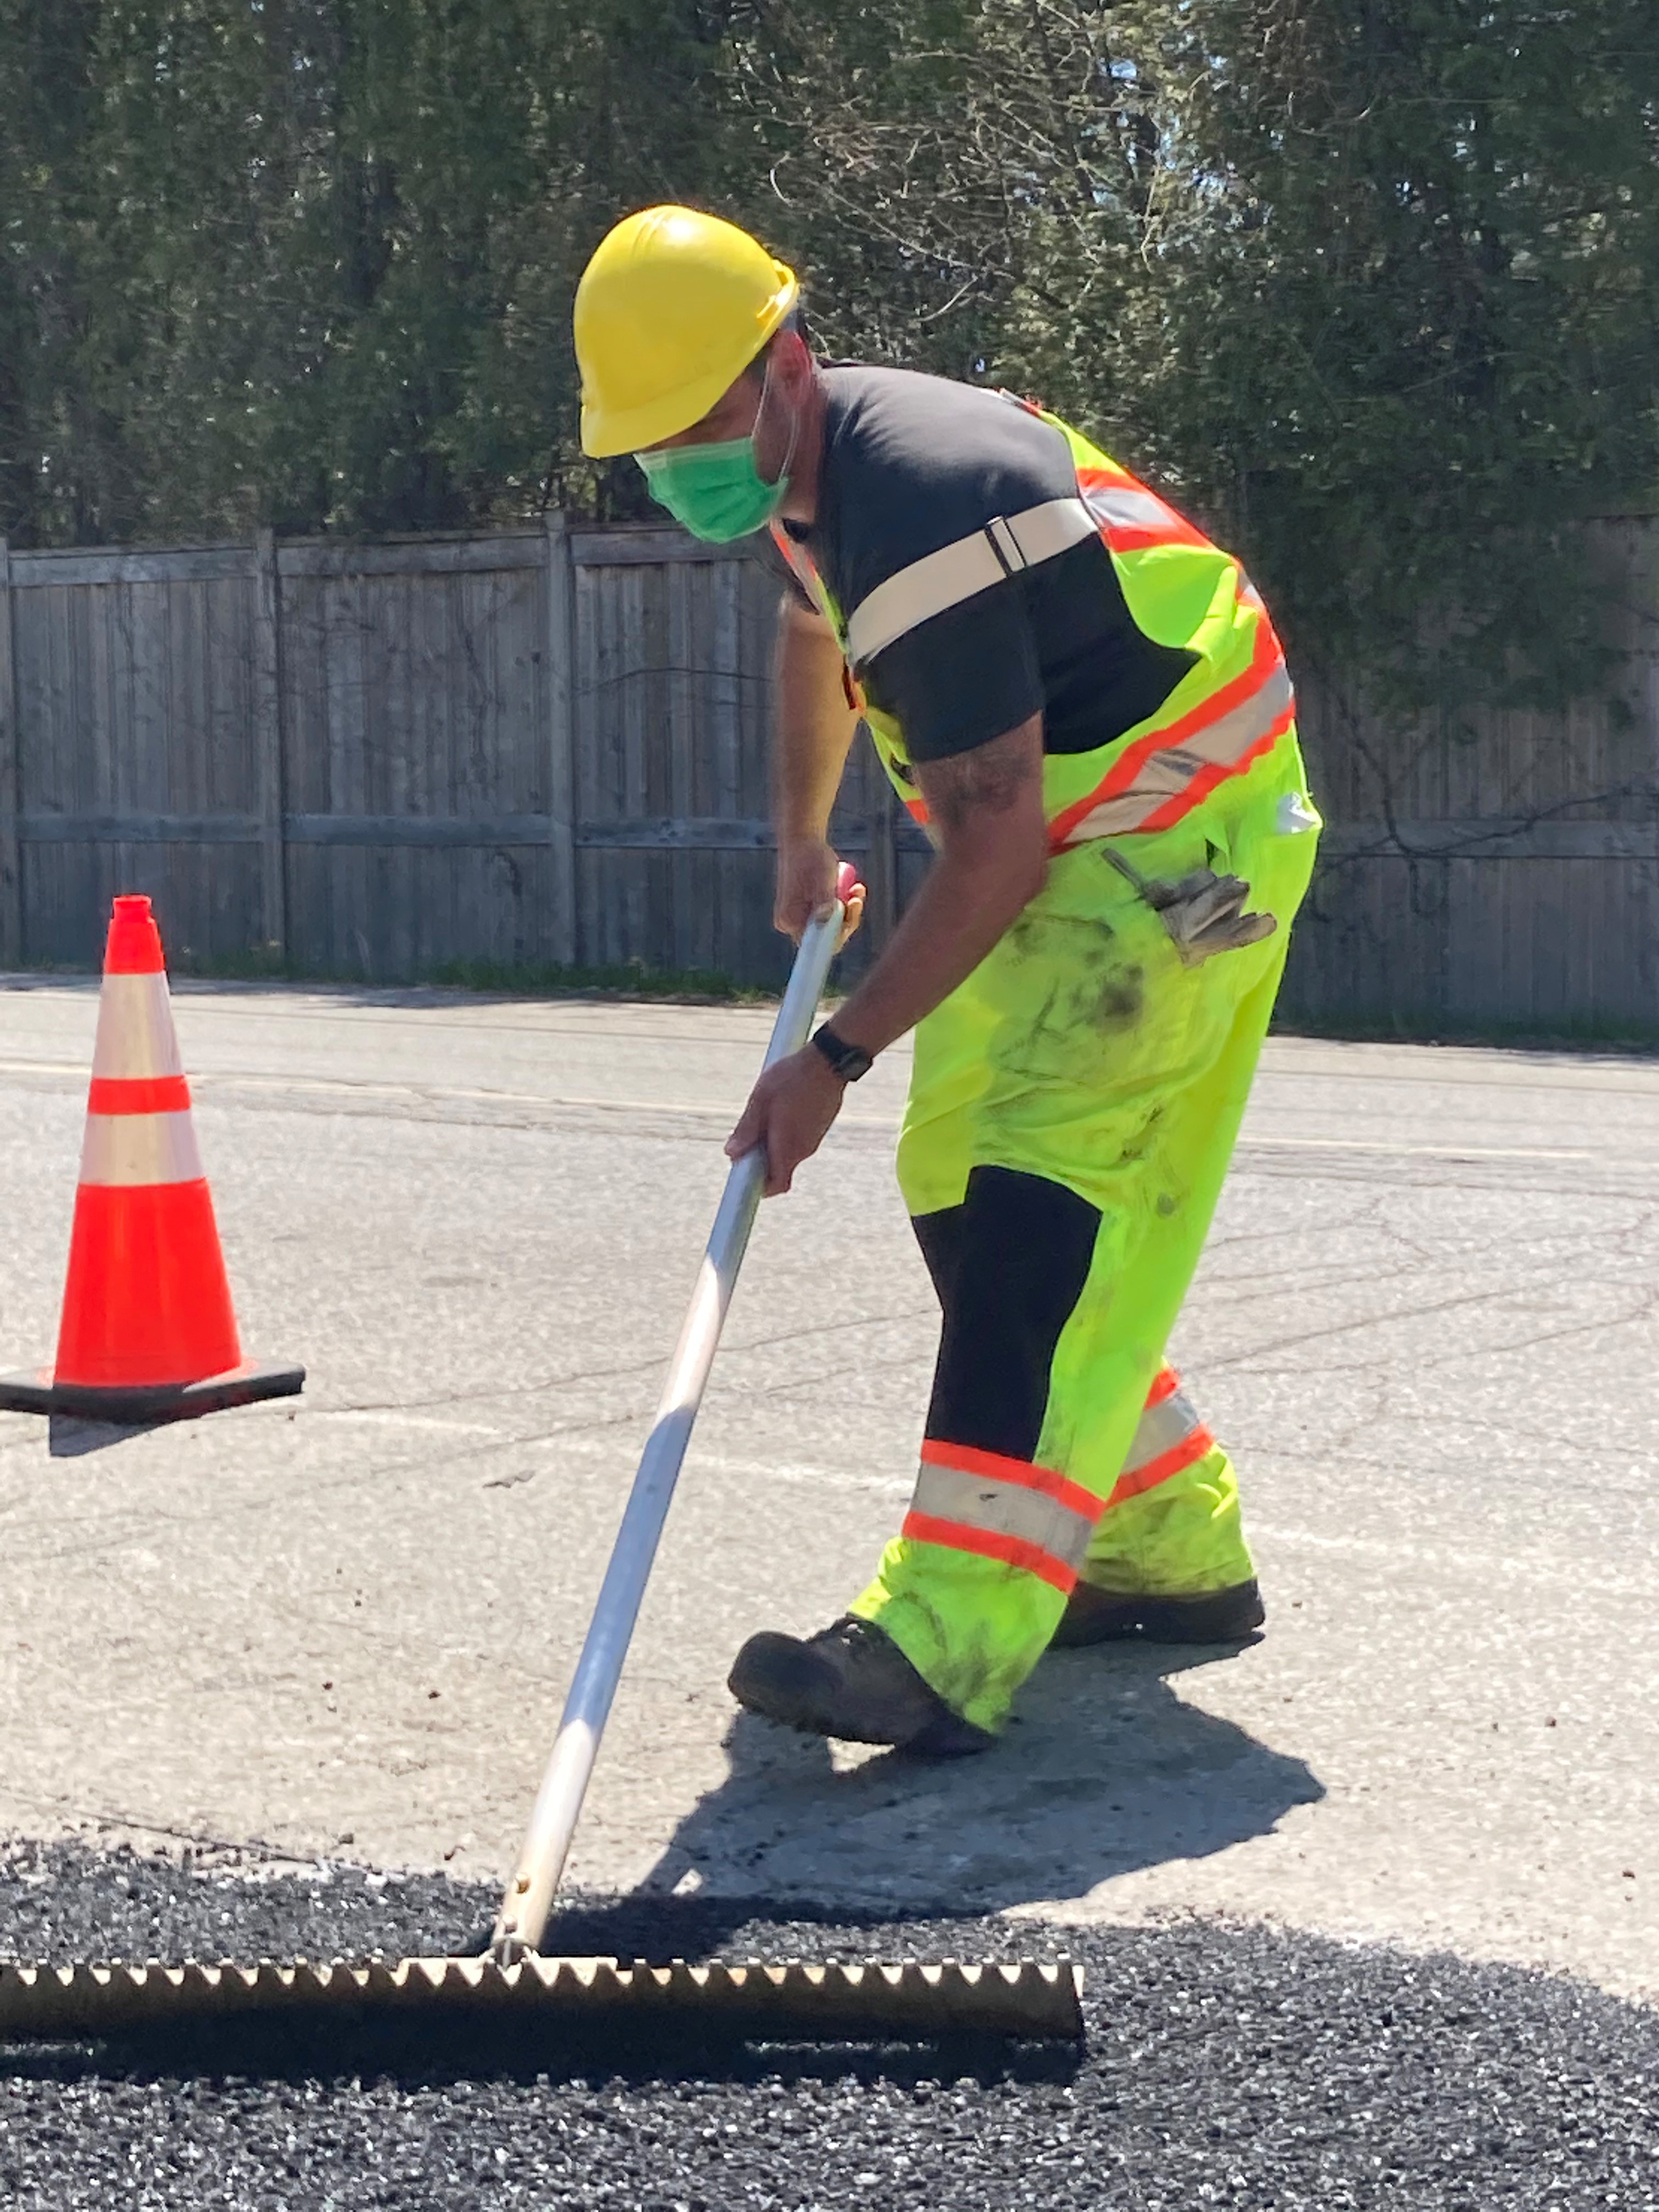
528,1897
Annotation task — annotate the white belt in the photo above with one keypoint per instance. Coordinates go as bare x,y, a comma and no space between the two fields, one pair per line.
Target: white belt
1006,545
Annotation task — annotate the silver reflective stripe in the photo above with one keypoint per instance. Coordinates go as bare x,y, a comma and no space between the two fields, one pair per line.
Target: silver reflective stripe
1002,1509
1115,817
1131,506
1161,1428
1165,774
135,1029
140,1148
1006,545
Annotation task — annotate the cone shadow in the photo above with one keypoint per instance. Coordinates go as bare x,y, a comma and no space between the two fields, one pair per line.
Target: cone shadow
70,1436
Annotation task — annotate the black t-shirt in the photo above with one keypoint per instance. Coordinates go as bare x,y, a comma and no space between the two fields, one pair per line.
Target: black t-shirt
912,463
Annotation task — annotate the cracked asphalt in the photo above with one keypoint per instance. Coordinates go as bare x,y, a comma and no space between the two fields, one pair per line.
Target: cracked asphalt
341,1629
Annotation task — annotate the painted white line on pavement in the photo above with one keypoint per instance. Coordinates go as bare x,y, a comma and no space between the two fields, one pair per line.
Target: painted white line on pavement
327,1086
1407,1151
757,1470
1544,1572
335,1087
1458,1565
391,1417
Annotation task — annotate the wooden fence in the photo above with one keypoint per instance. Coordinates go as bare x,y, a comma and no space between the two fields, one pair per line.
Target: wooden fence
369,760
1500,869
550,745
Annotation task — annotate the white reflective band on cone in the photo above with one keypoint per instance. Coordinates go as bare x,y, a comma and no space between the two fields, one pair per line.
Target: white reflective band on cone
140,1148
134,1030
1002,1509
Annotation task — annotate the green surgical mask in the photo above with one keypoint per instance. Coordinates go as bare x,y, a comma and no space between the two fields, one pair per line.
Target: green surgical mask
716,491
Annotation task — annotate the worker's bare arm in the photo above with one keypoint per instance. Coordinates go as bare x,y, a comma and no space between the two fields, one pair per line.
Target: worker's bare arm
987,808
815,724
815,730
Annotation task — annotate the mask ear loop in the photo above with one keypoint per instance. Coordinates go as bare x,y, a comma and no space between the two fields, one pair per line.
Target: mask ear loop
780,482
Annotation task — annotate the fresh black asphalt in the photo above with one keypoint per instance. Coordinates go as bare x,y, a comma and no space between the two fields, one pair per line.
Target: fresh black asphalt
1224,2066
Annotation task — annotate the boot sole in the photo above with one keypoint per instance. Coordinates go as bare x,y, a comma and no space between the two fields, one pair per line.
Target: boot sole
1226,1616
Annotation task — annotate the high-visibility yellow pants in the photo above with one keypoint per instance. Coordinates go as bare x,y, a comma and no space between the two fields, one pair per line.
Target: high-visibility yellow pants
1073,1110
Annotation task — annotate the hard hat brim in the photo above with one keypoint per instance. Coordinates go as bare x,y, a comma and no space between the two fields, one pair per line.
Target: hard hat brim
608,432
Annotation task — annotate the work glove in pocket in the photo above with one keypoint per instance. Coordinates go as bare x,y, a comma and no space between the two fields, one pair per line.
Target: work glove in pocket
1203,912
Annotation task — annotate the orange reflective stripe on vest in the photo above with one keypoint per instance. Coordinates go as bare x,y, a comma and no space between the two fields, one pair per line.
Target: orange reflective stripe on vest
1132,518
1166,771
1231,709
1002,1509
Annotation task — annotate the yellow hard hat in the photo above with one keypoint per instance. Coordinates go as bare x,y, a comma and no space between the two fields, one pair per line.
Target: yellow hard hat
671,310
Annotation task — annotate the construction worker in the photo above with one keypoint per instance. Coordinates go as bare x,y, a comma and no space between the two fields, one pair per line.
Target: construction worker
1084,702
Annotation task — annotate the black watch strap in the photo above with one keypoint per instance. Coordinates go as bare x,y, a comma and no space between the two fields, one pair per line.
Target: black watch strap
849,1062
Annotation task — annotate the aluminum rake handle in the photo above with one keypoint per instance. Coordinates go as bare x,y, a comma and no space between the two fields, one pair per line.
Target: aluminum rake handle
529,1897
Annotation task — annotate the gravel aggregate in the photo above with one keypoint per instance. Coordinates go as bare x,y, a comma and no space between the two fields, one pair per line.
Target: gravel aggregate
1224,2066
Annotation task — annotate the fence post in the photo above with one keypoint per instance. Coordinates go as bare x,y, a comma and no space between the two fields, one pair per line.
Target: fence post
268,743
11,779
1648,646
561,733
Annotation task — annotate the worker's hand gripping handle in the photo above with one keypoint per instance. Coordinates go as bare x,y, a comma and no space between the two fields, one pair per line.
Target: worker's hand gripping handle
529,1899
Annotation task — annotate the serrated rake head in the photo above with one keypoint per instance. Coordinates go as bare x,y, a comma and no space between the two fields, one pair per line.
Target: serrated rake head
908,1999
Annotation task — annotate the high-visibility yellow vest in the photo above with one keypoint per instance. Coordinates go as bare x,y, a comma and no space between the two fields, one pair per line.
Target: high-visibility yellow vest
1231,708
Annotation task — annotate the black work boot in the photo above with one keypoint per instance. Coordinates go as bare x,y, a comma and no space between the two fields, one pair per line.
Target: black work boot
850,1681
1099,1616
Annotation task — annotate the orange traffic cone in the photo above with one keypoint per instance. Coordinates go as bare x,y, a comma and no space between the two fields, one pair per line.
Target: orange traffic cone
148,1333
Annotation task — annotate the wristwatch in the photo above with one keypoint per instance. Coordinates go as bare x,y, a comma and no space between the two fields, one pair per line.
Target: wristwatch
849,1062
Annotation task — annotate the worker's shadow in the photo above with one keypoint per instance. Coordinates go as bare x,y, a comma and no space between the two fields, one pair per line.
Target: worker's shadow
1105,1770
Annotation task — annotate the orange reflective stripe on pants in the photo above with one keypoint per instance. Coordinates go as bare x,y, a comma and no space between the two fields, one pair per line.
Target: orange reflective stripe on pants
1002,1509
1169,1436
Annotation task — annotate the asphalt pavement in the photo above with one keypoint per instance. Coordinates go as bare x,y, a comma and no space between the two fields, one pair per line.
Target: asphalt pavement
339,1629
1224,2066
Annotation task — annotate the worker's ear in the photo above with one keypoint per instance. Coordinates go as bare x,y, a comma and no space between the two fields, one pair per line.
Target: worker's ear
790,360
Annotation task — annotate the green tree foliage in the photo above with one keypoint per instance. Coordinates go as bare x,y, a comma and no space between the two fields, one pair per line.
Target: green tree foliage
310,261
1437,267
1371,284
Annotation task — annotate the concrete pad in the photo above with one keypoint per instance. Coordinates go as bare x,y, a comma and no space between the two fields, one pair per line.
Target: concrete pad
343,1626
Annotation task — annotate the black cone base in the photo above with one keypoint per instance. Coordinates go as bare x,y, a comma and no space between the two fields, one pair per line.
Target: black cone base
32,1390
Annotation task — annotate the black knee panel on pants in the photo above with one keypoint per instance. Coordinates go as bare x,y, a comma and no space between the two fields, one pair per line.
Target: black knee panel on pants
1009,1265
